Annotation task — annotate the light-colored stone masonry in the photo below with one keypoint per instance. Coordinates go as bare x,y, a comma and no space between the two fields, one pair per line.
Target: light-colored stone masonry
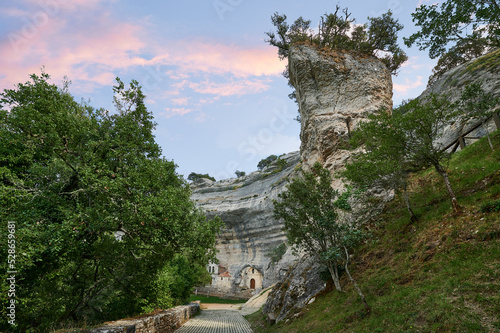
164,322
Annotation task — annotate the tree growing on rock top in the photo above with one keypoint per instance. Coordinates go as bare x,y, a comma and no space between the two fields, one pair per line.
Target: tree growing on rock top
312,212
265,162
338,31
193,176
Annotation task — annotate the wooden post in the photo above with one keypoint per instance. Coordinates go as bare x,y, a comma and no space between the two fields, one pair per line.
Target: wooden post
461,141
497,120
348,123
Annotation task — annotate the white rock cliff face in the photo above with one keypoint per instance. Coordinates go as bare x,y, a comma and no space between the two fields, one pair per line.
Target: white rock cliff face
335,91
250,234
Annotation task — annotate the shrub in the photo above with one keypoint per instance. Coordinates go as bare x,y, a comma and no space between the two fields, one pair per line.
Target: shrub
266,161
193,176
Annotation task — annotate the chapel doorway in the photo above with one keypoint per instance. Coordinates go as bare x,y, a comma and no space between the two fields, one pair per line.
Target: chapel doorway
252,284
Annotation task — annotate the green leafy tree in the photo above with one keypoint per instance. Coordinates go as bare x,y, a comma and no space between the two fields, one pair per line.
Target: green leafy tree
99,213
239,174
383,161
456,31
338,31
422,121
312,214
477,104
266,161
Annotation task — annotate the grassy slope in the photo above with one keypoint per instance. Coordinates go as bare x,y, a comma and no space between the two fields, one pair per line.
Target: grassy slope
440,274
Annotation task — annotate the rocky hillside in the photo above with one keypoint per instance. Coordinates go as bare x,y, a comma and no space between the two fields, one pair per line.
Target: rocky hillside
324,110
484,70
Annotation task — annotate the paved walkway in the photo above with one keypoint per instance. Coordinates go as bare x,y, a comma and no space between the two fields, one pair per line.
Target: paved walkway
217,321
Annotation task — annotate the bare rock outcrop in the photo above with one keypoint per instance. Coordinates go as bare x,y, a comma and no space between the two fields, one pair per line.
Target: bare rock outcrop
484,70
298,288
335,91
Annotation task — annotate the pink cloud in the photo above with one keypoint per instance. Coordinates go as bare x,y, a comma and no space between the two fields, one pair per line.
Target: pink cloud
241,87
170,112
180,101
13,12
216,58
93,49
408,85
86,55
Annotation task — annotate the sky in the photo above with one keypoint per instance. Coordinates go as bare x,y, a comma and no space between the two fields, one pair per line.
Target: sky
211,81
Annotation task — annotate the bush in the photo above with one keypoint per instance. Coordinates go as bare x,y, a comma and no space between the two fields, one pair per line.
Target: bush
239,173
193,176
266,161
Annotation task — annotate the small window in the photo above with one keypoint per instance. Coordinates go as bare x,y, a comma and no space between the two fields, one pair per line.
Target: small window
253,271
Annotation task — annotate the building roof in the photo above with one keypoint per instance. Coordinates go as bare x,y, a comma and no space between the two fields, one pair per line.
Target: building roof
225,274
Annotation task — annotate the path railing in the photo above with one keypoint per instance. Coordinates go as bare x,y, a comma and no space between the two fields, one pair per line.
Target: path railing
460,141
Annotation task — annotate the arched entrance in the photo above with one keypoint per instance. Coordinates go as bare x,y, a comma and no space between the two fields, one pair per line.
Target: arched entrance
252,284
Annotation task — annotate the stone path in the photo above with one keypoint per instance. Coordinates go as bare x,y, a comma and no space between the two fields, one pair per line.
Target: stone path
217,321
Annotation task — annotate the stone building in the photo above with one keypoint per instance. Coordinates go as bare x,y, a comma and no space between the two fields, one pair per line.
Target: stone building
251,278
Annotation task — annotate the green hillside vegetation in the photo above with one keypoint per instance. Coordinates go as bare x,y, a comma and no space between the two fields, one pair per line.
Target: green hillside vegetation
438,274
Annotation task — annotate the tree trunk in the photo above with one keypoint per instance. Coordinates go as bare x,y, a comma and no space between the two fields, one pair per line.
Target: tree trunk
413,217
334,272
488,135
360,293
453,197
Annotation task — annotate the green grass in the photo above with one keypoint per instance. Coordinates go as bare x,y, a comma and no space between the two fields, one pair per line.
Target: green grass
439,274
212,299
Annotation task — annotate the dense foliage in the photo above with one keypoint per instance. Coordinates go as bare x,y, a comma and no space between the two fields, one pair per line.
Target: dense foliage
338,31
456,31
314,220
398,143
383,161
104,225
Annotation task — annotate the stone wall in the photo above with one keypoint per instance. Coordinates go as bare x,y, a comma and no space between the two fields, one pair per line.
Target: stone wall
163,322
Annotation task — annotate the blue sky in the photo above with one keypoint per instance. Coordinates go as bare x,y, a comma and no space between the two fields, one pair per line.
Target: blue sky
212,83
